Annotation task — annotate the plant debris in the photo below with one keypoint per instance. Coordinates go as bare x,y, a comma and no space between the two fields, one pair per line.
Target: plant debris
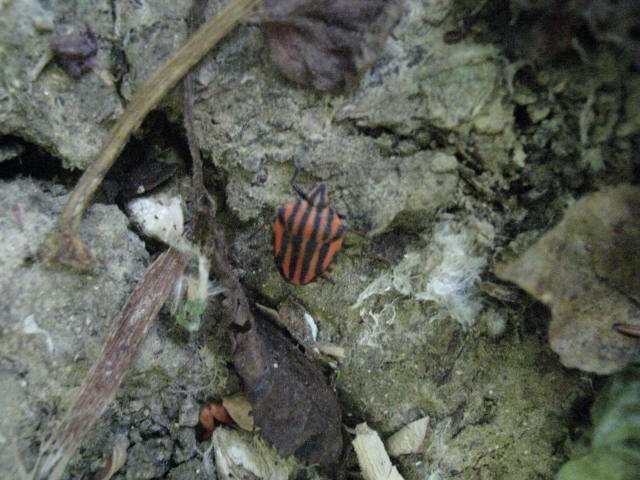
587,271
612,441
408,439
372,457
327,45
114,462
64,244
240,456
128,329
240,410
294,407
75,51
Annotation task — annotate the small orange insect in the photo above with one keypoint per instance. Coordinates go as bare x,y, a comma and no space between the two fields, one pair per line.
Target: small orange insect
307,235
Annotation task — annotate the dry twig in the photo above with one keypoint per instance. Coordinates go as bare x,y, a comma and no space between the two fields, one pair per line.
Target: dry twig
100,385
63,245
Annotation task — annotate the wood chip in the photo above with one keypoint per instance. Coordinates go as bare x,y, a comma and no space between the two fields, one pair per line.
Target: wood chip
372,456
408,439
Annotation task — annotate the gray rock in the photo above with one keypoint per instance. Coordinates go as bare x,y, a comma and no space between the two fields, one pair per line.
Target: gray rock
39,102
53,321
149,459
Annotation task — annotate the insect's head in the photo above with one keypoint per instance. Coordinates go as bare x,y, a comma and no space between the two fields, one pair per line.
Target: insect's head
318,196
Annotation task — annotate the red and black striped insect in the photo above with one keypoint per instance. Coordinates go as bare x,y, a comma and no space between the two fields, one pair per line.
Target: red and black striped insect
307,235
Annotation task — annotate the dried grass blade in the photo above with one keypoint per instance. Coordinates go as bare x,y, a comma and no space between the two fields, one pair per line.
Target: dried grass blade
100,385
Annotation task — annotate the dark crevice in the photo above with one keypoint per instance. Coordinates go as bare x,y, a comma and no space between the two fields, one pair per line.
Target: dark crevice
34,162
521,117
148,160
119,64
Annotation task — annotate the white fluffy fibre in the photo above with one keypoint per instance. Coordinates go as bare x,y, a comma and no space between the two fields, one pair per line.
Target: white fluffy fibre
445,272
158,216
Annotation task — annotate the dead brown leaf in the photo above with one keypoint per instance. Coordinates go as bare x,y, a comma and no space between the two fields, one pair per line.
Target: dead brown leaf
75,51
292,404
587,269
326,45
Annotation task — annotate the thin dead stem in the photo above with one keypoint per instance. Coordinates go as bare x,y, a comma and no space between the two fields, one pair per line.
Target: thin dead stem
64,245
100,385
196,18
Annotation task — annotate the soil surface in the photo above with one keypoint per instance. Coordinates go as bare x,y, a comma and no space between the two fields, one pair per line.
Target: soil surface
464,143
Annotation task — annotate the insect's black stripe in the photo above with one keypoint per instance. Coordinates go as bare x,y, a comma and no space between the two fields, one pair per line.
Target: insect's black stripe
280,215
331,218
316,223
305,217
341,228
322,254
296,245
287,240
298,254
311,250
333,221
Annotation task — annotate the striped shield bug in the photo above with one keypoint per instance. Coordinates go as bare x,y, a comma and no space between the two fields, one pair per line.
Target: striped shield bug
307,235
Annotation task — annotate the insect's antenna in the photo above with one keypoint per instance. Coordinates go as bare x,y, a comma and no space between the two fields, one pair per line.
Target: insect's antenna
298,190
296,170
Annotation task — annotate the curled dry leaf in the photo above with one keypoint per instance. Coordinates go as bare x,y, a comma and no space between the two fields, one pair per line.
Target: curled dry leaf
587,269
326,45
239,456
294,407
240,410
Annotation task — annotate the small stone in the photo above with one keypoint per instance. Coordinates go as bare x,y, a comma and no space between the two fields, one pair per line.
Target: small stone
537,112
43,22
408,439
189,412
149,459
185,445
443,163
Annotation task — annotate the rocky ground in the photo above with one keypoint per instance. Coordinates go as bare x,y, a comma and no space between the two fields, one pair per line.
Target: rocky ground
460,147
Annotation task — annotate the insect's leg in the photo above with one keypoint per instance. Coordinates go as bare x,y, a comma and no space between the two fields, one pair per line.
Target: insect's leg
325,276
257,231
631,330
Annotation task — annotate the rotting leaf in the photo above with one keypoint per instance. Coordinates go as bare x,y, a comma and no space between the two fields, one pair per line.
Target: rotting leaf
588,271
326,45
240,411
292,404
76,51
